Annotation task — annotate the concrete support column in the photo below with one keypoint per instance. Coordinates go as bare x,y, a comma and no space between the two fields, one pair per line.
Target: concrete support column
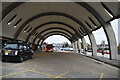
79,46
76,47
111,41
73,44
84,43
93,43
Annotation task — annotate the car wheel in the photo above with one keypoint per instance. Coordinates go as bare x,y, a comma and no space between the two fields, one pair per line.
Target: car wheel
21,59
31,56
3,60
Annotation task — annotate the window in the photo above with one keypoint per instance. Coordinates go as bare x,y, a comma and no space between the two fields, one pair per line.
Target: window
29,30
93,22
34,32
26,28
88,25
17,23
11,46
20,46
80,32
10,21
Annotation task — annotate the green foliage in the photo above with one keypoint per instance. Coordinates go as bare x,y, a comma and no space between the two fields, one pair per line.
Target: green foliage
65,45
106,48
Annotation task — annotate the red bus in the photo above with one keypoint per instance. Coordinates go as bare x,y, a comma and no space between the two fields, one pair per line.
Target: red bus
49,48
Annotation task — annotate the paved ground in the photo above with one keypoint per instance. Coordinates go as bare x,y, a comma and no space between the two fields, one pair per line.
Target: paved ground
58,65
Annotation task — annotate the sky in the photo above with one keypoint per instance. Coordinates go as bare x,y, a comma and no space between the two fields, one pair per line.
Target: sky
99,35
56,39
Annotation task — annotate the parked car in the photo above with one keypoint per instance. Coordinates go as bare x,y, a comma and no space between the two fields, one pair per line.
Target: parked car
71,49
106,51
62,49
118,51
15,51
67,49
89,50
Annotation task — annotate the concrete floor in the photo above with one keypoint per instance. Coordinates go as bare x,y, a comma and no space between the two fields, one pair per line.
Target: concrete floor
58,65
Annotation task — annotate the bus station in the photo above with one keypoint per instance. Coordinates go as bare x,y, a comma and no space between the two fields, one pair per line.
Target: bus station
26,25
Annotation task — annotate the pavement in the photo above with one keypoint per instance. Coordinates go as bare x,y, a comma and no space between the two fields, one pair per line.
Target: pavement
104,59
58,66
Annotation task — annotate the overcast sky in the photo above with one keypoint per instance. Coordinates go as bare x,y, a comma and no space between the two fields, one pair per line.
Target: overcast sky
99,35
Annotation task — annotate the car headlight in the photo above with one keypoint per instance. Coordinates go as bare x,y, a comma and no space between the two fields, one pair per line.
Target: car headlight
16,52
32,51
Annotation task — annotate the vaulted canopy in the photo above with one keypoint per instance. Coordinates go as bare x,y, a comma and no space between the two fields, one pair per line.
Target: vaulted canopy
35,21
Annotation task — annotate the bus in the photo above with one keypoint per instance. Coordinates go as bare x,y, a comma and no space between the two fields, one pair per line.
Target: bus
49,48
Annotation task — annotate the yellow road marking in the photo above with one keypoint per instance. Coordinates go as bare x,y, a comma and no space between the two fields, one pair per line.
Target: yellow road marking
26,70
101,76
15,73
59,75
44,73
40,72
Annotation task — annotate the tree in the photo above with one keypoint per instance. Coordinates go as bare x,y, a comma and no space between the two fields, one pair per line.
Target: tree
65,44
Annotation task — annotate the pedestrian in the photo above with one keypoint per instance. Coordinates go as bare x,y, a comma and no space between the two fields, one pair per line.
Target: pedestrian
79,50
85,51
103,53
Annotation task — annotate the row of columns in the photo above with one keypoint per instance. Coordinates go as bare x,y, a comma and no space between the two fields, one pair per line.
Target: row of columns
77,45
111,42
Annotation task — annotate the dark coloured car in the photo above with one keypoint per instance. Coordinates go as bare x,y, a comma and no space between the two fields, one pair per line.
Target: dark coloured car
15,51
89,50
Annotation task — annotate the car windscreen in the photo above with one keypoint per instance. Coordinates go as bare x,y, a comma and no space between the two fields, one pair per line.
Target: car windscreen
11,46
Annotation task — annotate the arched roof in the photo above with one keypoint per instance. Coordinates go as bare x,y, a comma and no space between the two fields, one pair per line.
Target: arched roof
28,21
